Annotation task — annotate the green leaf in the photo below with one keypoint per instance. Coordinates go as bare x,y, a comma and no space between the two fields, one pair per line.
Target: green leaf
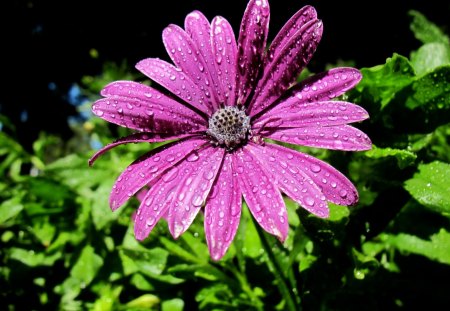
437,248
32,258
87,266
426,31
10,209
175,304
431,187
149,262
382,82
431,91
404,157
430,56
145,301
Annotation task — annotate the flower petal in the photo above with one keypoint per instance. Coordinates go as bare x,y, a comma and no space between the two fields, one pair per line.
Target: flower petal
262,196
198,27
281,73
307,114
225,50
295,23
125,105
156,203
136,138
150,167
291,179
185,54
176,81
320,87
197,175
251,45
223,210
334,185
339,137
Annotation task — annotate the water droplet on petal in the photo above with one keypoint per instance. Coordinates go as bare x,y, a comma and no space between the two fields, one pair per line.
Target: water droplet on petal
150,221
343,193
197,200
99,112
315,168
208,175
309,201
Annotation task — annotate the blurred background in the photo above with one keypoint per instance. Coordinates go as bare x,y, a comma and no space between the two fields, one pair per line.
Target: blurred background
48,46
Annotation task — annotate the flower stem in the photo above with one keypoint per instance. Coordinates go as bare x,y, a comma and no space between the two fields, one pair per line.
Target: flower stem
292,303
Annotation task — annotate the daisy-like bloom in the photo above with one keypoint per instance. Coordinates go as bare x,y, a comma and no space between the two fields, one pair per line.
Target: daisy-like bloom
221,100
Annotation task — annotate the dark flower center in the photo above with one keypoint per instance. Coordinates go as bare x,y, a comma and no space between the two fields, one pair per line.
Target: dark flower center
229,126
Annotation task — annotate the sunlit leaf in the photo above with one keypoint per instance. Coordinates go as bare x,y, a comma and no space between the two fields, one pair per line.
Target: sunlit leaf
404,157
426,31
431,187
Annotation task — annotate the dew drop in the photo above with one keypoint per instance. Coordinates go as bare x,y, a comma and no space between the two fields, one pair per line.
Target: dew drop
208,175
197,200
192,157
309,201
315,168
150,221
99,113
343,193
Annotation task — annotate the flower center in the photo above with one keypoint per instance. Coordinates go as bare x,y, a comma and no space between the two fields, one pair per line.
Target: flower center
229,126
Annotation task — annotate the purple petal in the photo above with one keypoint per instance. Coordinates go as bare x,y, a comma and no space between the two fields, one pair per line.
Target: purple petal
295,23
126,105
312,114
282,72
291,179
320,87
136,138
262,196
223,211
251,45
339,137
335,186
196,177
198,27
225,50
176,81
184,53
147,169
156,203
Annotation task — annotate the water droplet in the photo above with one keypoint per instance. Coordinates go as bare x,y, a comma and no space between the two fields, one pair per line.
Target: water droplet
192,157
221,214
149,201
156,159
170,175
309,201
315,168
208,175
255,189
172,78
99,113
197,200
333,184
150,221
181,196
170,158
343,193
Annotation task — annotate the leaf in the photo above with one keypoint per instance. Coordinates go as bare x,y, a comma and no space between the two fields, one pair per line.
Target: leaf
87,266
32,258
146,301
175,304
426,31
10,209
382,82
430,56
404,157
431,91
431,187
437,248
148,262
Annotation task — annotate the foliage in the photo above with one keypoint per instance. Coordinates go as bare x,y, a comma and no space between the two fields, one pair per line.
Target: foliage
63,249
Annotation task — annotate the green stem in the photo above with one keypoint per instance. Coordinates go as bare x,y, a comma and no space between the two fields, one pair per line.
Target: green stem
276,266
246,287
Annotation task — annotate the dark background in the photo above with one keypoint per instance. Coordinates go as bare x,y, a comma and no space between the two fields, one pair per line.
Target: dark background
45,44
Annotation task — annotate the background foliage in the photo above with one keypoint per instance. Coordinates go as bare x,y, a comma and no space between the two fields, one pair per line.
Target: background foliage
63,249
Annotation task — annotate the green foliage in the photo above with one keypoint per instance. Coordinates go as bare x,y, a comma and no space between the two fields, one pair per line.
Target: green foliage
63,249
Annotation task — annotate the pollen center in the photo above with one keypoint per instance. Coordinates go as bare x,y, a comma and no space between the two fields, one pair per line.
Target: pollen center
229,126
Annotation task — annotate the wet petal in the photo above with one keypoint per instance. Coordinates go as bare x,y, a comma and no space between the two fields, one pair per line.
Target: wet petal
334,185
126,106
156,203
198,27
196,177
184,53
176,81
295,23
251,45
223,210
225,50
320,87
136,138
282,72
152,166
307,114
291,179
339,137
262,196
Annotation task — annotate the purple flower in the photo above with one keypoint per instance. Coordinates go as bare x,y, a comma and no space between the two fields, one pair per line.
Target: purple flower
222,100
